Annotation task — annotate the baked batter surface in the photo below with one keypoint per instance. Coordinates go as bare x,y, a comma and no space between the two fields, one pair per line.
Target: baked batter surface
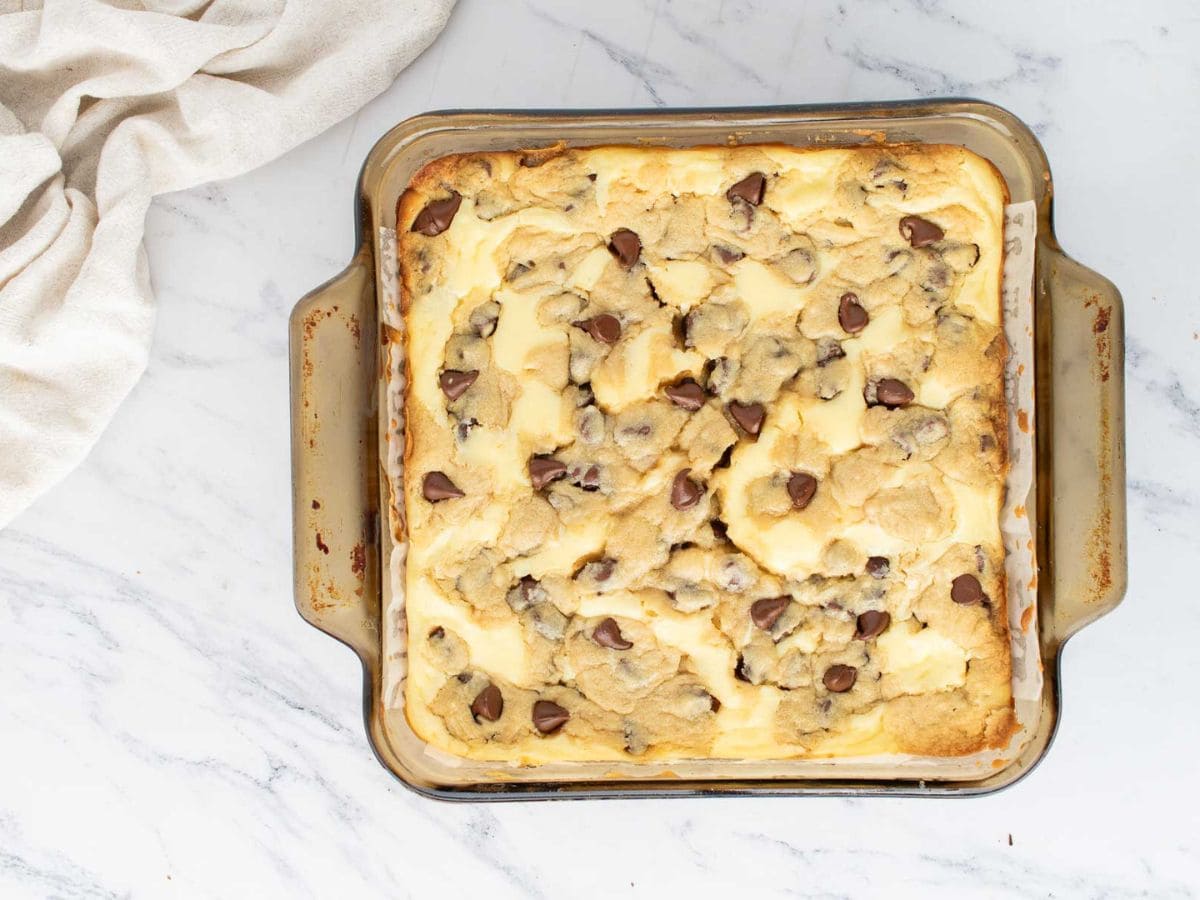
705,453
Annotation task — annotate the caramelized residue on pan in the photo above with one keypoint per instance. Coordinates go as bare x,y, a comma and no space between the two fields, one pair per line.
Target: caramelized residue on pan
1098,543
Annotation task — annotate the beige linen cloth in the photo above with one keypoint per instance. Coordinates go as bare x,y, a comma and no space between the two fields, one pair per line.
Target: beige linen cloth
103,105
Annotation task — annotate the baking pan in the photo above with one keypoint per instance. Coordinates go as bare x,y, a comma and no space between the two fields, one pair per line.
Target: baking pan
339,425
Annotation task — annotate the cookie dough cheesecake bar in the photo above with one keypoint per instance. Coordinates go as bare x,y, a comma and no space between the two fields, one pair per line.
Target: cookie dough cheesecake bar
705,452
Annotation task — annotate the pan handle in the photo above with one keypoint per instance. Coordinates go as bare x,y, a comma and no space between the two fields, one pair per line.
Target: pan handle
335,489
1086,409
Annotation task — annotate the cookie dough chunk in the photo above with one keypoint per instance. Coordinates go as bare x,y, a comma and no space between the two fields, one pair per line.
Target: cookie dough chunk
704,453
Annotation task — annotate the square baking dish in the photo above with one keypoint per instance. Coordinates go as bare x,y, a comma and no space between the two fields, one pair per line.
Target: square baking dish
340,426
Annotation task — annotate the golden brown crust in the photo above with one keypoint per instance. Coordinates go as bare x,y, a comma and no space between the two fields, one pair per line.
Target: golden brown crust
653,700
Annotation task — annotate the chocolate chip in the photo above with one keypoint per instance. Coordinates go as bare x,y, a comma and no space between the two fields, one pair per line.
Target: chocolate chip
714,703
801,487
685,333
463,677
828,350
635,740
686,394
734,575
488,705
766,612
967,590
719,374
529,587
679,329
589,423
878,566
586,479
436,486
548,716
739,671
749,416
455,383
920,232
462,431
986,443
600,569
585,396
484,317
437,633
643,430
603,328
626,246
608,634
749,189
517,270
882,166
437,216
654,293
871,624
937,278
545,469
851,316
727,255
685,493
839,679
719,529
892,392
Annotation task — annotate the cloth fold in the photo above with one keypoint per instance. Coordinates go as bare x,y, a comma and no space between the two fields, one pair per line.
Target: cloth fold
104,105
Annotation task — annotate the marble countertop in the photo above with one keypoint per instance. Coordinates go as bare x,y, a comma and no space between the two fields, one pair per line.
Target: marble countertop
168,724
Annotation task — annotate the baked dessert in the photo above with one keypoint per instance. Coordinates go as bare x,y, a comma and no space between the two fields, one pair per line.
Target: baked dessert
705,453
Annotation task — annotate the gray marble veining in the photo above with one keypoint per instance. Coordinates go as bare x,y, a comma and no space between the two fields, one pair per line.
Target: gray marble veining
170,727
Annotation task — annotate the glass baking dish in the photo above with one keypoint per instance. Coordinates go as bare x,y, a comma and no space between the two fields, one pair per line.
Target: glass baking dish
341,535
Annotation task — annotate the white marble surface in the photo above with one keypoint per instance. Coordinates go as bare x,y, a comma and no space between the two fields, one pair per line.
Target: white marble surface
170,727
